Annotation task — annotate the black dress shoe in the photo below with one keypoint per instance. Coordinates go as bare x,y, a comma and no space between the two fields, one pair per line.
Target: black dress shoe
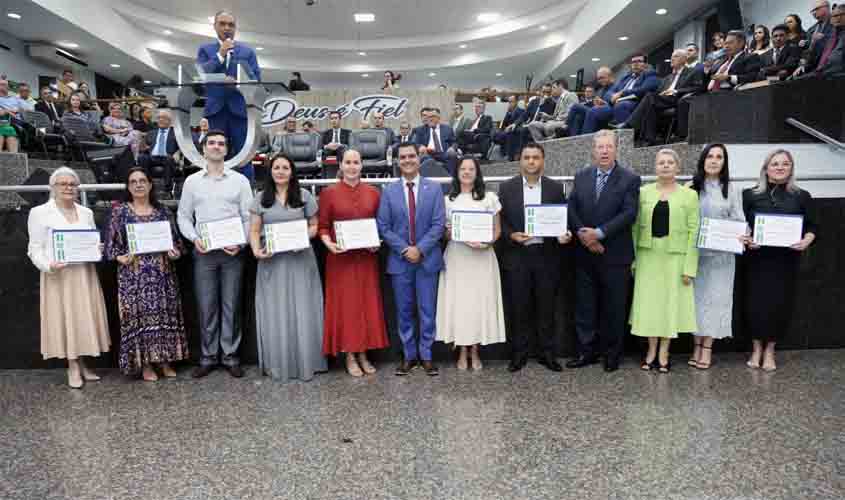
581,361
430,369
611,366
405,367
235,371
550,362
619,126
201,371
516,365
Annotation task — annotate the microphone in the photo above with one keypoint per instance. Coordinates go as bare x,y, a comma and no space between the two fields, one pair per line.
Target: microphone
228,52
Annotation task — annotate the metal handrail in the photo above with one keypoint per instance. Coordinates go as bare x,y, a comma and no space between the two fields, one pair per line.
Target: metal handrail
815,133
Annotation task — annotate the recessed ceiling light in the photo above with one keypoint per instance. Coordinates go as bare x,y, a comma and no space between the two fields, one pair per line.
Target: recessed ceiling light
167,32
14,15
259,48
488,17
364,17
432,74
623,38
661,12
362,53
365,75
114,65
68,45
498,74
596,59
667,60
544,27
573,76
147,82
463,46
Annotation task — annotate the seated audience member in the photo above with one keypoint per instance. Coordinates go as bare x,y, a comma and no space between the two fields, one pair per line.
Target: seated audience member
543,104
297,84
578,112
717,51
436,142
276,144
89,102
458,120
67,87
48,105
425,112
146,123
391,81
587,95
829,61
835,66
476,136
134,116
692,57
512,115
25,95
405,135
120,130
200,136
161,148
795,34
335,139
9,107
75,113
624,96
549,124
783,59
363,125
682,81
308,127
817,34
378,124
761,43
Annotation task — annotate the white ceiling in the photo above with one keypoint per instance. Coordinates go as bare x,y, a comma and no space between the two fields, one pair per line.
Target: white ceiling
414,37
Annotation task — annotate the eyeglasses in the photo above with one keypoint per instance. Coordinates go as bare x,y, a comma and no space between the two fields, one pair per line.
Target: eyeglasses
66,185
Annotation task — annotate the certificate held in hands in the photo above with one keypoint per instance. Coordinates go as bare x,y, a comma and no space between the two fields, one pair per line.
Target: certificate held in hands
356,233
222,233
76,245
149,237
472,226
778,230
545,220
721,235
286,236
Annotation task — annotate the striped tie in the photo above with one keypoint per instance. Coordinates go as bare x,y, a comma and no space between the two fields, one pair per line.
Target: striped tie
601,183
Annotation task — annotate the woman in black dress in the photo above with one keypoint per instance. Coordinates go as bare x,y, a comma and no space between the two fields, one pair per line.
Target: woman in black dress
771,273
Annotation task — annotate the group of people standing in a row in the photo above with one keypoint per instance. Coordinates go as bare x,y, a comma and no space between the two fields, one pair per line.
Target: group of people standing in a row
455,296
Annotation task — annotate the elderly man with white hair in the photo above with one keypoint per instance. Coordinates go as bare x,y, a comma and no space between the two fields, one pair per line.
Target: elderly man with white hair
682,81
161,148
73,312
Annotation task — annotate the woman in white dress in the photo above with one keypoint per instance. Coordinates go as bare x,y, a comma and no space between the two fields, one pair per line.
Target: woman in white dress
469,299
714,286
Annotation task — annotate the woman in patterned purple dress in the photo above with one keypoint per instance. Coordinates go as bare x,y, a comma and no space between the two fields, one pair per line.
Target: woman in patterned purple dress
152,329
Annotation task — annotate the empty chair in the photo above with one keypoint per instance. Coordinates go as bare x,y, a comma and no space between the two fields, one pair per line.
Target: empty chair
44,131
376,156
305,150
81,136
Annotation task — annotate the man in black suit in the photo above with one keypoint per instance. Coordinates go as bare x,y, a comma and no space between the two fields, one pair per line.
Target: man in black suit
476,137
161,148
502,137
536,108
532,265
680,82
602,208
335,139
378,124
49,106
783,59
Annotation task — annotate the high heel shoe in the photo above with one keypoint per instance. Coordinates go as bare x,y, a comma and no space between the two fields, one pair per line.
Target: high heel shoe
74,379
693,361
352,367
705,366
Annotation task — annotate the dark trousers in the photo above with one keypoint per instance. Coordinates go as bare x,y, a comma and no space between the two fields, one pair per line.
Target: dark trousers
217,284
532,288
601,307
683,115
165,163
575,119
646,118
474,142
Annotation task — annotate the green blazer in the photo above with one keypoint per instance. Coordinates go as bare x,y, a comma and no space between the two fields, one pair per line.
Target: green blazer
683,223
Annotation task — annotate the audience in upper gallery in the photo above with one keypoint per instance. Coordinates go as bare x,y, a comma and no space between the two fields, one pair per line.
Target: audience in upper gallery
549,124
829,60
761,42
587,94
89,102
458,120
578,112
680,82
692,57
335,138
200,135
161,149
363,125
425,112
74,112
436,142
818,32
120,130
378,124
796,34
543,104
308,127
9,107
717,50
25,96
783,59
502,137
48,105
66,85
297,84
623,97
475,137
391,81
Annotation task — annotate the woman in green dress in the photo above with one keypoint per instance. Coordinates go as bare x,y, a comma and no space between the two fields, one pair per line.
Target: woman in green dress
666,262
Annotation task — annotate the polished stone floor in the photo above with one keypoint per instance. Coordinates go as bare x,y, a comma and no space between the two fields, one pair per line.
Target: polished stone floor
729,433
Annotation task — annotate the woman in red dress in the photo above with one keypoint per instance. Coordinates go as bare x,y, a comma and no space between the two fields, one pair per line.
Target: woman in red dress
354,319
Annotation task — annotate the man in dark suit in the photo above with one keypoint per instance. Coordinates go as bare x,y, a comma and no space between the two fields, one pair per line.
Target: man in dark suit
225,106
783,59
436,142
601,97
475,138
200,136
532,265
48,105
544,104
602,209
680,82
378,124
335,139
297,84
502,137
624,96
161,148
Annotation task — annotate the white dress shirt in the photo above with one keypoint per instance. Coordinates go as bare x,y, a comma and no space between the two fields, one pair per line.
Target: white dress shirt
431,145
675,80
532,195
416,189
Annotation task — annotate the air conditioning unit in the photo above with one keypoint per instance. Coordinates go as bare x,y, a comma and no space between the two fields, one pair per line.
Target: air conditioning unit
54,56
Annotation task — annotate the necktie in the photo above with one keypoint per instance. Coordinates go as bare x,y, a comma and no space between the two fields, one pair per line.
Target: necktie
437,146
601,183
53,108
828,49
630,84
775,56
412,214
715,85
336,138
160,143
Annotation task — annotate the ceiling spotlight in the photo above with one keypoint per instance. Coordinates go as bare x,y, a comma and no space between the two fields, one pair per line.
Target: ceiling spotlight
14,15
623,38
498,74
596,59
432,74
667,60
362,53
661,12
68,45
113,65
168,32
364,17
573,76
259,48
147,82
365,75
488,17
544,27
463,46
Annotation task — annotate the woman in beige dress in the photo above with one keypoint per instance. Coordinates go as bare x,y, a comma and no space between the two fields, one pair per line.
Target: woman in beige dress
73,313
469,298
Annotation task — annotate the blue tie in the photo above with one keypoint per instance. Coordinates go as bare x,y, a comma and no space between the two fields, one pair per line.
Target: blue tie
160,143
437,146
601,182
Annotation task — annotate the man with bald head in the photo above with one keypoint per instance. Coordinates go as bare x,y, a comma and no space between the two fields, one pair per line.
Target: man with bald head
601,89
161,148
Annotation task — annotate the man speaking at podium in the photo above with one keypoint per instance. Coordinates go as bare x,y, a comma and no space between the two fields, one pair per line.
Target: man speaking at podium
225,107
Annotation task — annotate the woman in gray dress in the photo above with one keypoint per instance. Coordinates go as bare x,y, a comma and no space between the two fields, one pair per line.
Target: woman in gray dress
288,292
718,199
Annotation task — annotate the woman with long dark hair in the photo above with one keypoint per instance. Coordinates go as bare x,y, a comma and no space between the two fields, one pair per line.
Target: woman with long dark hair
796,34
469,297
761,42
152,327
717,199
391,81
288,291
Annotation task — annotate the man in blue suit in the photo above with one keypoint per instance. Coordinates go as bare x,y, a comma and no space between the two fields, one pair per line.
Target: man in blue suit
502,137
624,96
545,104
225,107
436,142
411,219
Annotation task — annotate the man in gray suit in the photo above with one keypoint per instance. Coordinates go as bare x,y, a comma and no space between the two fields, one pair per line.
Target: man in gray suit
459,121
547,125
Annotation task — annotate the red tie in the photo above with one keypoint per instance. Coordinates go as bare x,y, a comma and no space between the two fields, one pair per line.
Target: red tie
412,213
716,85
